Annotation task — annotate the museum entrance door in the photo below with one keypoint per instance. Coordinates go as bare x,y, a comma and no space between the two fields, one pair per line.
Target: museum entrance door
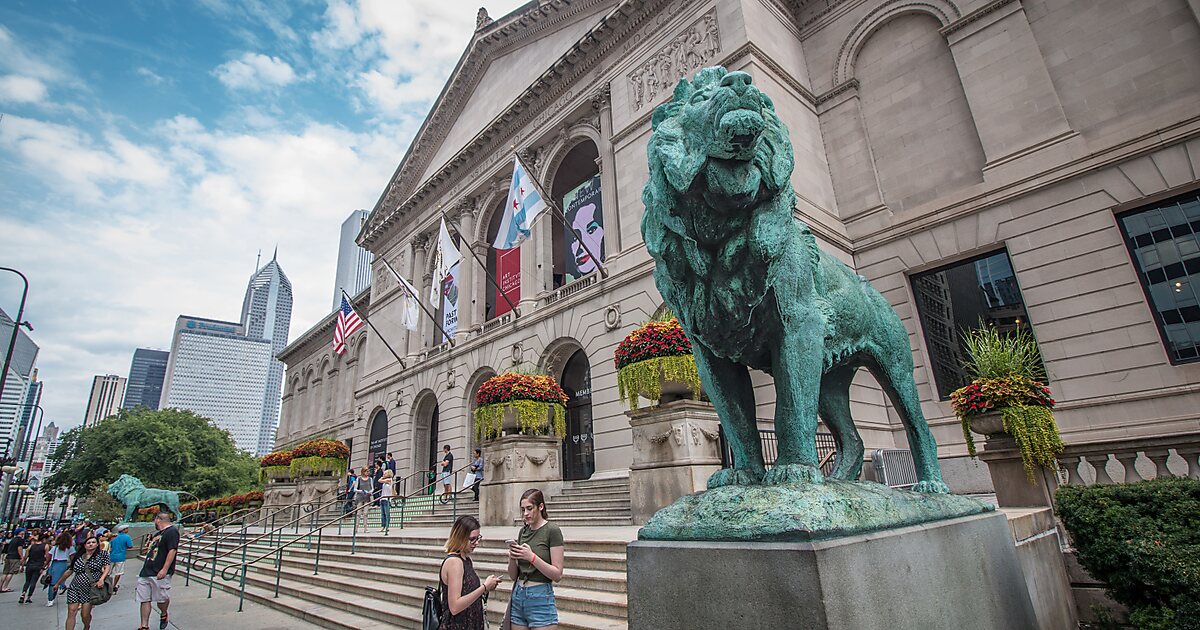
578,450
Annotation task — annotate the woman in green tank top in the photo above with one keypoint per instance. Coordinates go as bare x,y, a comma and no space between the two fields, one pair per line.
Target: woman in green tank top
535,563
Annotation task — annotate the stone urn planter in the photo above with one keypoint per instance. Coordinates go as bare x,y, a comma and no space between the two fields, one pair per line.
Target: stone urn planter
987,424
655,362
512,403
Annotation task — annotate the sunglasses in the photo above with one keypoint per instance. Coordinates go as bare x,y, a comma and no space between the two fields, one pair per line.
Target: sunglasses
475,539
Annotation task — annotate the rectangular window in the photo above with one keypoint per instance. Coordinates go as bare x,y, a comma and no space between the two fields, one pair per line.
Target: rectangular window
1164,243
962,297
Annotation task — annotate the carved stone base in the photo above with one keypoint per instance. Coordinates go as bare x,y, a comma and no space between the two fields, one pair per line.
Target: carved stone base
512,465
318,490
279,494
1013,488
676,448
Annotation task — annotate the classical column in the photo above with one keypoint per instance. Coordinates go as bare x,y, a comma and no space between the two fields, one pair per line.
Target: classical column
606,162
468,269
416,272
480,285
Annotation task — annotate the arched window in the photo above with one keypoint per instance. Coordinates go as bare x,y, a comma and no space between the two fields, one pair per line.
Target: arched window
579,449
576,189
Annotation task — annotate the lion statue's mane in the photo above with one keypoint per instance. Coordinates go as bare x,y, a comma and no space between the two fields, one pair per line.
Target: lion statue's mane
752,289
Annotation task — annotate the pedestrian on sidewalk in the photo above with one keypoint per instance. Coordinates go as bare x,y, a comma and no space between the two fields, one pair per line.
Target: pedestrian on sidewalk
118,549
391,464
154,581
535,562
463,595
447,467
90,567
14,557
377,479
36,559
477,468
386,492
363,491
348,494
60,561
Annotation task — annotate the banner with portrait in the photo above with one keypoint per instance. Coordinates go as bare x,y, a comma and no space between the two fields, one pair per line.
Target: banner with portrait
585,224
450,302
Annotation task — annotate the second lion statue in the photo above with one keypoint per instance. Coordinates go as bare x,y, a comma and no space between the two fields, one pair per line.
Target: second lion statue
752,289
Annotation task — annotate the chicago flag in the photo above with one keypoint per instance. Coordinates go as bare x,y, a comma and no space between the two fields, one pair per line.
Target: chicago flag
525,205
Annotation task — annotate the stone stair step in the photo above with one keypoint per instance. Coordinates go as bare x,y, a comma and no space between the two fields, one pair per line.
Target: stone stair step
561,506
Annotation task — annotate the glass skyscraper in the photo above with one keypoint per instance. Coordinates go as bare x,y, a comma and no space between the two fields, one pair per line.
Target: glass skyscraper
267,315
146,374
353,262
14,400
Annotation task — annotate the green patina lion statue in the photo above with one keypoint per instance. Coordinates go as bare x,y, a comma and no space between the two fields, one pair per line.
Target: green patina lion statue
752,289
129,490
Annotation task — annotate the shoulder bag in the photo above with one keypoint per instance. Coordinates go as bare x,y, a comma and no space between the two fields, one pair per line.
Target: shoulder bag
431,609
102,594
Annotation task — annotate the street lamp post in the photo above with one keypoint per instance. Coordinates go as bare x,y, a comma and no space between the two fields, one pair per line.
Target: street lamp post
12,344
20,455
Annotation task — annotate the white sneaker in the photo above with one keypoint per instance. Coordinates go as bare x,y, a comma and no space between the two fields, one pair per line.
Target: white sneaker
50,603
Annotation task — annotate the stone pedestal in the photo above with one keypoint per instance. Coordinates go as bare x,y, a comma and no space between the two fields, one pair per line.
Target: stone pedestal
676,448
277,494
951,574
512,465
1013,488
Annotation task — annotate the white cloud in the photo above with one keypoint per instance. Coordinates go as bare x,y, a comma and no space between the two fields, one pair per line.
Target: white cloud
255,71
15,88
152,77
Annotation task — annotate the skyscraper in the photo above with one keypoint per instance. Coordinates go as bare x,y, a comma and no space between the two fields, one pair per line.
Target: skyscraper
146,374
15,397
216,371
108,392
41,468
267,315
353,262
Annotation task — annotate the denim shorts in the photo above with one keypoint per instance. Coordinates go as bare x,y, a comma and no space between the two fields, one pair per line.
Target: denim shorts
533,605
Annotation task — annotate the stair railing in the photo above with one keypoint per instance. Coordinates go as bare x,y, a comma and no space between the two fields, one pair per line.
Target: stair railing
452,500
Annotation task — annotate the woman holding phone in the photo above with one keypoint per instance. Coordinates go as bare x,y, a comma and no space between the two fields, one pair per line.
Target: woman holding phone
462,591
535,563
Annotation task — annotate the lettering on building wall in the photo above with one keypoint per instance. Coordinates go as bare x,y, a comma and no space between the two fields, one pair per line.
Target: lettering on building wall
683,55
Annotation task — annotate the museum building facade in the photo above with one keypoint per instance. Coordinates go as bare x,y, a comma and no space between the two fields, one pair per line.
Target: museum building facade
1025,163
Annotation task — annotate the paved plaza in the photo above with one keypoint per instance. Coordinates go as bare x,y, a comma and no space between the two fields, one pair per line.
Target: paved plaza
190,610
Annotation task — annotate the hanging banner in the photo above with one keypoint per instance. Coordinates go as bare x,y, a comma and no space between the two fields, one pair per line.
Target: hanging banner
450,302
508,276
585,222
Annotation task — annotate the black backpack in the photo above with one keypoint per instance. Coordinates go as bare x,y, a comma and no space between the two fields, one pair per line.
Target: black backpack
431,609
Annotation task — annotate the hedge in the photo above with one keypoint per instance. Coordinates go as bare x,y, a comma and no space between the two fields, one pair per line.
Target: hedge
1143,540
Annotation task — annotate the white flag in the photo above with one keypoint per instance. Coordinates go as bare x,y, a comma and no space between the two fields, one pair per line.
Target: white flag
445,257
525,205
411,307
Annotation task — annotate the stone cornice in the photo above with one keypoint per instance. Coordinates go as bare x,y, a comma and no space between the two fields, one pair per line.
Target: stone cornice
558,82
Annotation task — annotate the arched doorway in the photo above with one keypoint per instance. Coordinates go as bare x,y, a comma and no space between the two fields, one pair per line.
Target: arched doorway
425,448
377,441
576,188
579,449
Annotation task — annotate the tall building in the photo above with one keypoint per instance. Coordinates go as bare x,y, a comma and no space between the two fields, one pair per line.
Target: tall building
267,315
216,371
33,396
353,262
108,392
41,468
14,400
146,374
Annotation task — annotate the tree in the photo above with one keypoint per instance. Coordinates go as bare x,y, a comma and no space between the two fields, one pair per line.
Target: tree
168,448
100,506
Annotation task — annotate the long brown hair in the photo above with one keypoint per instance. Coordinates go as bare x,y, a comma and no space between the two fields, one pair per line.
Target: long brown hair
460,534
64,540
535,497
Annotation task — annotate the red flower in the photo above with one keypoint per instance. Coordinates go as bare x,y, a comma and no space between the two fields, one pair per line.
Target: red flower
513,386
651,341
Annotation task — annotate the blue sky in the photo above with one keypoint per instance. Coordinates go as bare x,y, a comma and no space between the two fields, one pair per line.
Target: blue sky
150,149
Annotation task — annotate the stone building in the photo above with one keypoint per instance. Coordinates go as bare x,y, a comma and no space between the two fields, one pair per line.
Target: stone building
1030,163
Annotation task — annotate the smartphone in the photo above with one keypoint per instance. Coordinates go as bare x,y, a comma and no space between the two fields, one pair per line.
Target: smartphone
510,542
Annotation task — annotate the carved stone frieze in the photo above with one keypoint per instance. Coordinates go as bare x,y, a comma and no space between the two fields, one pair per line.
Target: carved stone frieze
683,55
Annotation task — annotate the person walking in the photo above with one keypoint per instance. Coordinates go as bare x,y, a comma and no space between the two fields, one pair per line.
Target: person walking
154,580
535,562
364,489
90,567
477,468
351,487
391,464
463,594
117,552
60,561
14,557
447,467
386,492
36,559
377,479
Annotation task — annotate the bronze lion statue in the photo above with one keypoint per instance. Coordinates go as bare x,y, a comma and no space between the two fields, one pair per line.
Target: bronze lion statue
129,490
752,289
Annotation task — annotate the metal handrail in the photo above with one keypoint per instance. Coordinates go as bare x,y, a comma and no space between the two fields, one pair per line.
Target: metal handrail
433,484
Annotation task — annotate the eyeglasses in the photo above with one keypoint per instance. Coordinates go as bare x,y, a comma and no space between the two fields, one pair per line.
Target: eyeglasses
475,539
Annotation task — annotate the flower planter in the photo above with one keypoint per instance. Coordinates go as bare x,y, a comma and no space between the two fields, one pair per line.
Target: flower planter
275,473
655,362
525,417
987,424
317,467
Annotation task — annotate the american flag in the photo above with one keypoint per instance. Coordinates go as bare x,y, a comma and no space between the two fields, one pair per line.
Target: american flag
347,323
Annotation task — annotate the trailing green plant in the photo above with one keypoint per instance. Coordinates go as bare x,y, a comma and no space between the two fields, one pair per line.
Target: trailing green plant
1036,434
1143,541
317,465
275,472
993,354
646,376
534,417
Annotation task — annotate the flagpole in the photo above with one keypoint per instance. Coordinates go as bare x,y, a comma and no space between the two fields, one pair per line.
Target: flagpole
559,213
403,365
450,224
419,302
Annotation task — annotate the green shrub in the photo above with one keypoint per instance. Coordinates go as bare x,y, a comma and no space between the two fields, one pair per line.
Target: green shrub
1143,540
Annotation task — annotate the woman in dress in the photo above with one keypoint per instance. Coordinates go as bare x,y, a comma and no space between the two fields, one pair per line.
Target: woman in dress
36,559
60,561
362,495
89,567
535,563
462,592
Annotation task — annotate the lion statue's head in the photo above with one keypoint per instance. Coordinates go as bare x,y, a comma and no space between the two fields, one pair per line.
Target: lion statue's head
124,484
719,136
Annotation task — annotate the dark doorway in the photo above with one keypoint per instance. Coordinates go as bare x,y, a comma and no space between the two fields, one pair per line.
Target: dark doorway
434,450
579,451
377,447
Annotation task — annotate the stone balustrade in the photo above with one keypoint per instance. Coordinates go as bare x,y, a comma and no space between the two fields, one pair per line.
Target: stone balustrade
1127,461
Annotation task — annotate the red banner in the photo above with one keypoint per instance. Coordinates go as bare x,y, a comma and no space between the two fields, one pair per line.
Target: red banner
508,276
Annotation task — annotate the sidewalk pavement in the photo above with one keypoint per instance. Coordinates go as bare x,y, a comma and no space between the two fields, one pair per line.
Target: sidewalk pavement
190,610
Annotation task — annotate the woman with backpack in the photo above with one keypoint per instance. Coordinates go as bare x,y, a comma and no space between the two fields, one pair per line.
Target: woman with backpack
90,567
462,593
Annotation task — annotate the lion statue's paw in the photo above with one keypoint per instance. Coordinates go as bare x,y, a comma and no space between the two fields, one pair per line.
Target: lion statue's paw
931,487
783,474
734,477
